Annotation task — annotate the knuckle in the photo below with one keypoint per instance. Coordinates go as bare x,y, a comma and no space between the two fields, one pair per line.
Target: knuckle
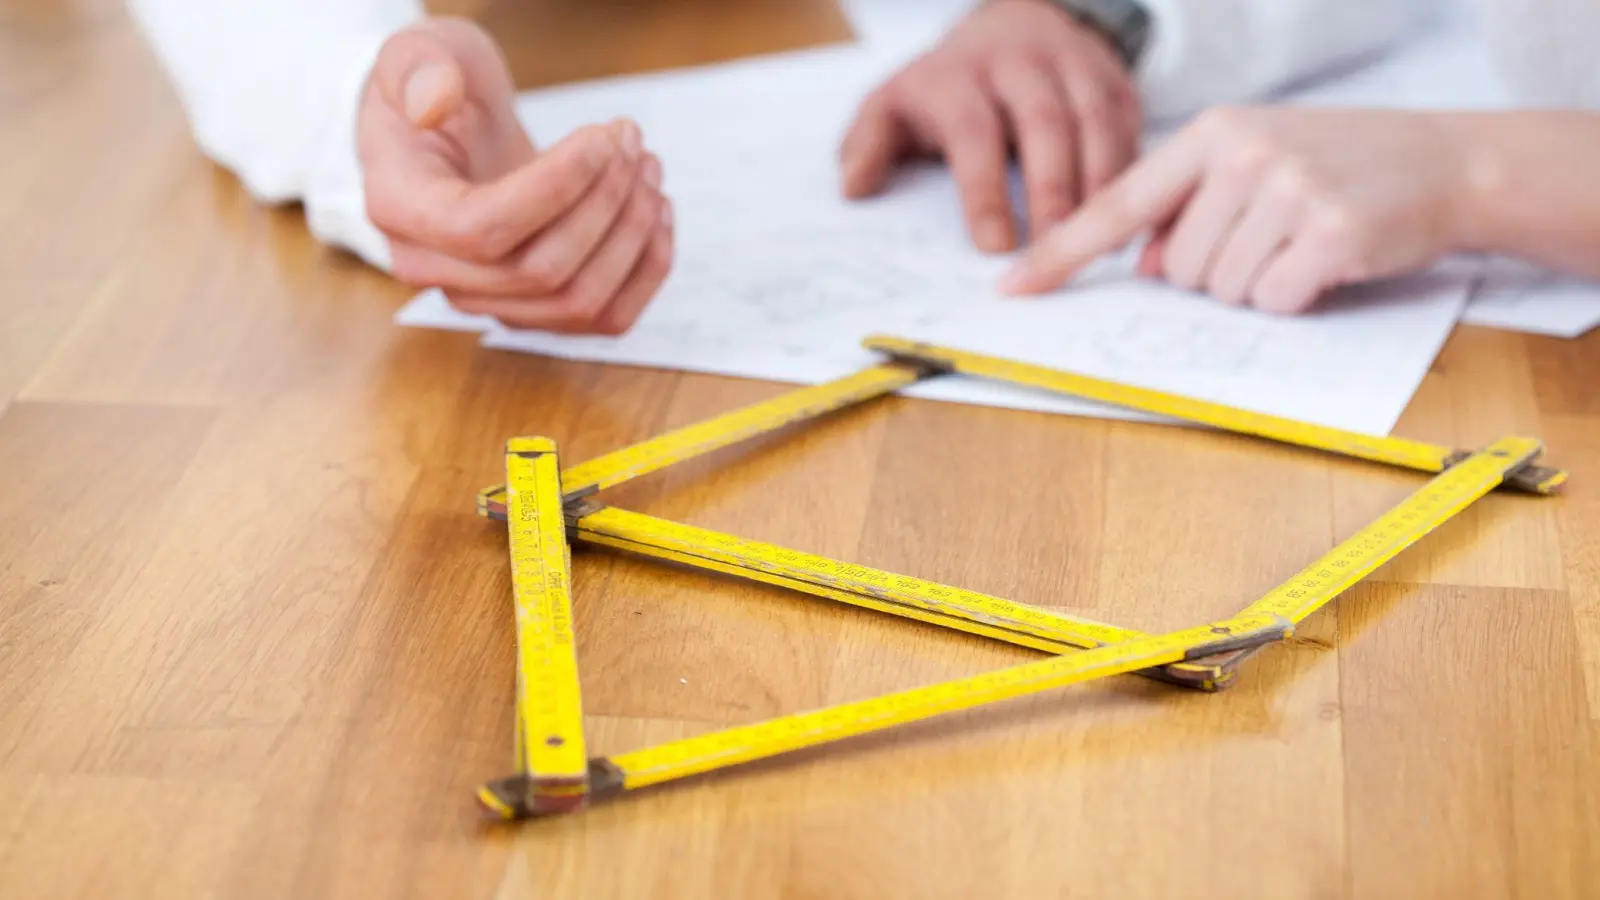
1043,113
1052,186
1291,182
613,323
618,185
1337,229
971,118
1247,159
644,212
472,235
581,309
542,274
1114,209
585,307
1095,102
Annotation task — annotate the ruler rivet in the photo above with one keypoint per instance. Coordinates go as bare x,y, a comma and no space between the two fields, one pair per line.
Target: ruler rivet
554,740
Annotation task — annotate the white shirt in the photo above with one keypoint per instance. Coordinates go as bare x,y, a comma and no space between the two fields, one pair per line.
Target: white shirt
271,87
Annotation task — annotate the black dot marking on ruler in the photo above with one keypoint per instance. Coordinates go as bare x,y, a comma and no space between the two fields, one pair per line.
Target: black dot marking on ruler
1218,629
554,740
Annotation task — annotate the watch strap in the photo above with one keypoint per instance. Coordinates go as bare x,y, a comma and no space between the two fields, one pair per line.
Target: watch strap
1124,23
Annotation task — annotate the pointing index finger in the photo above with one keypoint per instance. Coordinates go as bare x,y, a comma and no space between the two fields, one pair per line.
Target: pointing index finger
1150,192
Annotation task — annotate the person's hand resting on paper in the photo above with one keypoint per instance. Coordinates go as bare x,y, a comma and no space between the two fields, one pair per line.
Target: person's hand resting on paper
1020,74
576,238
1274,207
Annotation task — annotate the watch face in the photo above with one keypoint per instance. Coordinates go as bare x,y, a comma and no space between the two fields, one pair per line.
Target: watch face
1124,14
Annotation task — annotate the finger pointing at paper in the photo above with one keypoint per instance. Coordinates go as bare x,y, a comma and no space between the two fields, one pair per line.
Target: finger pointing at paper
1273,207
574,239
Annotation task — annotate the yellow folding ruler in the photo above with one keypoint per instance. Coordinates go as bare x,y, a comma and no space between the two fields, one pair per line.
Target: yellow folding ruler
549,748
551,774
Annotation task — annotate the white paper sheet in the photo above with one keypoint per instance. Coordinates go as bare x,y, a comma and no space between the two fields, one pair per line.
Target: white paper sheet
777,277
1520,297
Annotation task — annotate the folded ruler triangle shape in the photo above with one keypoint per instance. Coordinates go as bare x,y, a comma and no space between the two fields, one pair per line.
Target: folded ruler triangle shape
545,505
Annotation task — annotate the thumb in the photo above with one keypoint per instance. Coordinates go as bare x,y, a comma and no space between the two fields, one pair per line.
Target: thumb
419,78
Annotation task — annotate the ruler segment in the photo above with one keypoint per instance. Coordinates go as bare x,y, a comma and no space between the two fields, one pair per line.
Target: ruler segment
902,595
1432,505
1204,675
746,743
1442,498
549,738
722,431
820,570
1395,451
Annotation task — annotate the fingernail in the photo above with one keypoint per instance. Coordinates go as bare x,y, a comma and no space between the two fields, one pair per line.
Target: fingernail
1015,281
652,172
993,235
632,141
424,89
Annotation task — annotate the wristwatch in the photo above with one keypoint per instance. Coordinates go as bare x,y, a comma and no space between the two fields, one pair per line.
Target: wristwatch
1125,23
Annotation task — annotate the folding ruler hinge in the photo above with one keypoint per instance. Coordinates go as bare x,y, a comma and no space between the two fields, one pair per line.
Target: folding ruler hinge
1529,477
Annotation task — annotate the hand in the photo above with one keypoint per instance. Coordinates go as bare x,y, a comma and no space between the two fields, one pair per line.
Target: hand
575,239
1273,207
1019,72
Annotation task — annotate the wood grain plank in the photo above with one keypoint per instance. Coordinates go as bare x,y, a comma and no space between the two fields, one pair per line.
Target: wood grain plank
74,83
1469,756
222,318
1565,373
1578,515
260,557
411,711
83,492
1197,526
187,834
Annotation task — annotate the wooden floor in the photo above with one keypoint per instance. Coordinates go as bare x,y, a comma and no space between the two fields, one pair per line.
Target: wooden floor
254,643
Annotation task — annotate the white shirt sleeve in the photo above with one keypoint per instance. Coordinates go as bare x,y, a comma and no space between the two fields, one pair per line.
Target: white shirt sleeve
1545,50
1209,52
271,89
